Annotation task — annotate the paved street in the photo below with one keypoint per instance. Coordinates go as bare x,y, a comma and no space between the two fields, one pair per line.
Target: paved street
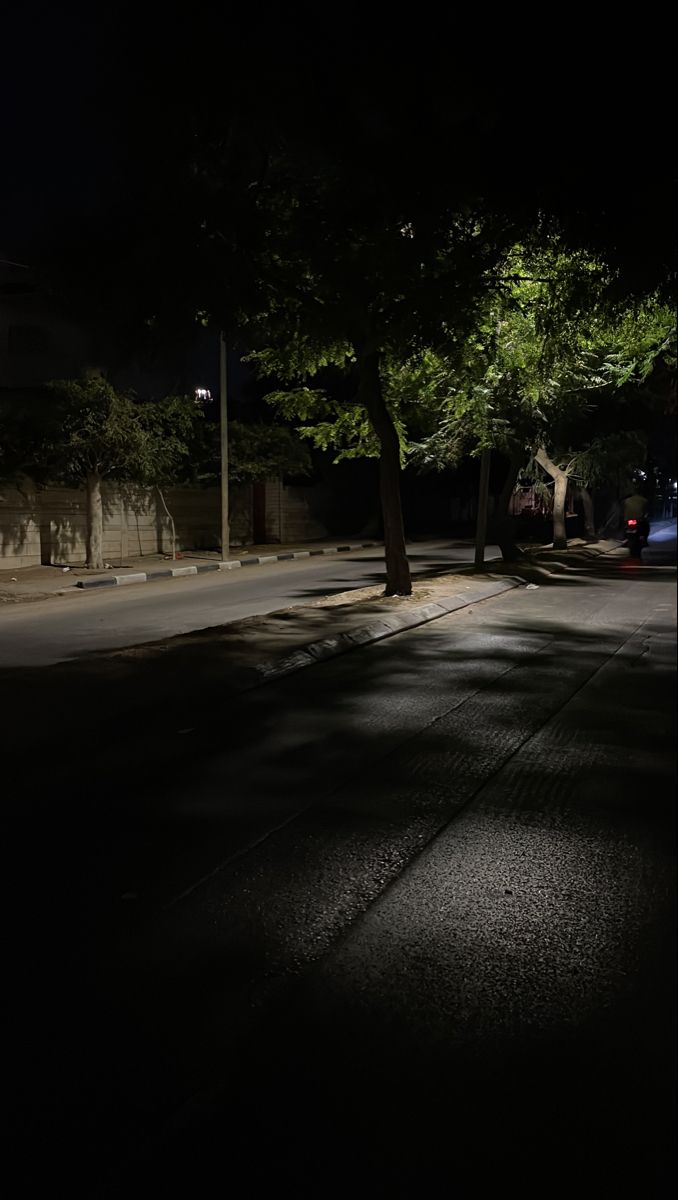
53,630
85,622
399,925
661,545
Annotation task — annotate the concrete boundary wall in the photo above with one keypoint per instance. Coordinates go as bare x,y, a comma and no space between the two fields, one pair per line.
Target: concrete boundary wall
49,525
20,535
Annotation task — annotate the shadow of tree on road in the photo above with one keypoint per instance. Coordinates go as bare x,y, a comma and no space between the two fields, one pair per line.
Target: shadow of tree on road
293,809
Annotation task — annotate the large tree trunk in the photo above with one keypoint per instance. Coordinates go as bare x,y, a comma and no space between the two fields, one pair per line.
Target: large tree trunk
503,522
398,580
560,480
587,505
95,522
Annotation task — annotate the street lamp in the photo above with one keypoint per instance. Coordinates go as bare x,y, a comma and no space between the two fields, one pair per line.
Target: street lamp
223,429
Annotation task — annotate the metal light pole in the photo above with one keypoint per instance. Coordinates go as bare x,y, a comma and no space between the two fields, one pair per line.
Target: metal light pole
483,492
223,419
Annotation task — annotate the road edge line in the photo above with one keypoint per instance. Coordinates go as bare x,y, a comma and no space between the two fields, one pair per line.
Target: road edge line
228,565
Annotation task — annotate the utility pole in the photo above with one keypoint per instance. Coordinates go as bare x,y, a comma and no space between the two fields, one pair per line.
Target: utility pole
483,492
223,419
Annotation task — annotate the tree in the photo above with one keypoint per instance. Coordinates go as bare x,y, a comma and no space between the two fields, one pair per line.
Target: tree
606,441
361,300
550,346
256,452
322,249
86,432
545,360
169,430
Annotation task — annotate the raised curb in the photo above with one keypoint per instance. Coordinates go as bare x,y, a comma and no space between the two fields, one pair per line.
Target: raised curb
386,626
202,568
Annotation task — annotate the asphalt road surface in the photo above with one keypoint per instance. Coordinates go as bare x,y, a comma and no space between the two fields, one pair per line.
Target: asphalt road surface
661,546
400,925
53,630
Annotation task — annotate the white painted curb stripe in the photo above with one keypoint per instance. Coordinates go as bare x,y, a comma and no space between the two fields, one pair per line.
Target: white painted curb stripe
230,565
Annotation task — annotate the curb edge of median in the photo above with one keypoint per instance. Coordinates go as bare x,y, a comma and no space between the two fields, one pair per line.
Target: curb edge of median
202,568
376,631
382,627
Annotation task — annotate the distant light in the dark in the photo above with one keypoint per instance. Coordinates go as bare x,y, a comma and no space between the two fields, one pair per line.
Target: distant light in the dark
202,395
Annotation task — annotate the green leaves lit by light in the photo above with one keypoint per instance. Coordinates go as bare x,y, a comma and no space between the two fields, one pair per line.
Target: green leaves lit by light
350,433
299,357
546,348
303,403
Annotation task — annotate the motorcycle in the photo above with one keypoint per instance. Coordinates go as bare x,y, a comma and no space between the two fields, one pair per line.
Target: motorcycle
637,531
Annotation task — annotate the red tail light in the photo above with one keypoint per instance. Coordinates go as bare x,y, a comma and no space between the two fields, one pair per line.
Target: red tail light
632,521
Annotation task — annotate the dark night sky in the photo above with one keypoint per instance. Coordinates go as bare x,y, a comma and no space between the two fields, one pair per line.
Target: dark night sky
89,102
49,82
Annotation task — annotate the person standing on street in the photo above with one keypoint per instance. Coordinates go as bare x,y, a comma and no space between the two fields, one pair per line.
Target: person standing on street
636,522
636,507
